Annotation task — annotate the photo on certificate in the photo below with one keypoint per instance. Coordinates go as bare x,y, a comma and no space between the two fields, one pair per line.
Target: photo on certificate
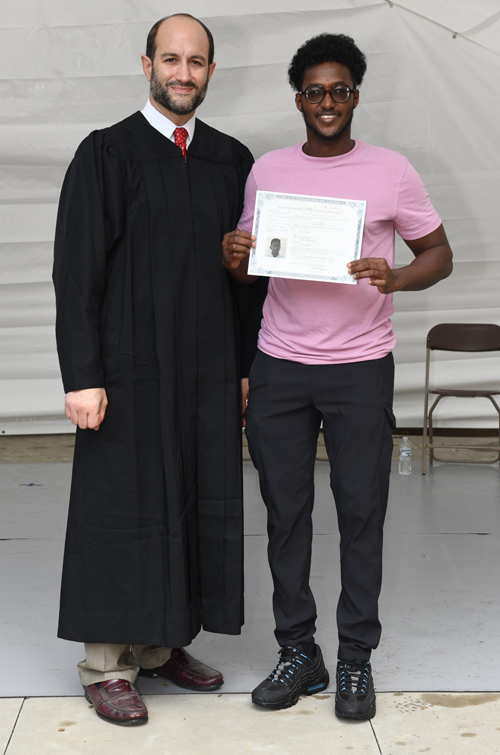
306,237
276,247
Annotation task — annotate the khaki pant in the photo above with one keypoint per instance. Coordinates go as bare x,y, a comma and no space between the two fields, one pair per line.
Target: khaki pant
106,661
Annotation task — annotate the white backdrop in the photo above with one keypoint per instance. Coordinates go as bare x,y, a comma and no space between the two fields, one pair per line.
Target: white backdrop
432,92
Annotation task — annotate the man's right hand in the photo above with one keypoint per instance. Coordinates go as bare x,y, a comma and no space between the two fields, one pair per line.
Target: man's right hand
86,408
236,247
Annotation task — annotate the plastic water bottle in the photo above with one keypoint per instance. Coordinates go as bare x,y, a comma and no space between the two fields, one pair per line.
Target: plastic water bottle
405,456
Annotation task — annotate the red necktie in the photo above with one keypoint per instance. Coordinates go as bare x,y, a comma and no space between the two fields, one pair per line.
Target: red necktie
180,136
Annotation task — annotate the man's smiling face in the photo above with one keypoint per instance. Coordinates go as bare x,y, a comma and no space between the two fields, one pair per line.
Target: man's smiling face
179,73
327,120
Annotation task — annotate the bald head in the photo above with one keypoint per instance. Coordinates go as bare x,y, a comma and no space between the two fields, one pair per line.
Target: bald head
180,22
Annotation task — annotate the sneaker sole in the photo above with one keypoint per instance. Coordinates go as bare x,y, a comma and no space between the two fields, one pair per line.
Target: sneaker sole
314,686
351,715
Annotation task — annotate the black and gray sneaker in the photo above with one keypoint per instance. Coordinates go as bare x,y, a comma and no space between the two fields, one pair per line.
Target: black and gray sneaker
355,697
296,673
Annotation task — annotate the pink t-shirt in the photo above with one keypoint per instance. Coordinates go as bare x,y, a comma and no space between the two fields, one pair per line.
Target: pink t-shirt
330,323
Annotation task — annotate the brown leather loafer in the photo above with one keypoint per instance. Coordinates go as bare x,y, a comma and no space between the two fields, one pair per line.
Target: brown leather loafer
185,671
118,702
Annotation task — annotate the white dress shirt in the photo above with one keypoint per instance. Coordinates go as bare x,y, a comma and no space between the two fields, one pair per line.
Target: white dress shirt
164,125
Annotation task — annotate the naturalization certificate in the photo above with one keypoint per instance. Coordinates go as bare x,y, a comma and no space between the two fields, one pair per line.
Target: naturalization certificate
311,238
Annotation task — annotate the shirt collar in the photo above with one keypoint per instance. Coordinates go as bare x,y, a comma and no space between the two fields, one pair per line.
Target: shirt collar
164,125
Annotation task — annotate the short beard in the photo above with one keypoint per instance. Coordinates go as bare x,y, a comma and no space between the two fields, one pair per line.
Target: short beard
160,93
325,138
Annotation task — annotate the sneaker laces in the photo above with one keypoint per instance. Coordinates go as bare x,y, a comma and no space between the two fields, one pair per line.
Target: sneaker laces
289,658
354,676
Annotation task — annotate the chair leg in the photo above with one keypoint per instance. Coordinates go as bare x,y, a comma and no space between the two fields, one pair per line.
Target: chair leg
498,411
431,435
426,409
431,429
431,440
424,436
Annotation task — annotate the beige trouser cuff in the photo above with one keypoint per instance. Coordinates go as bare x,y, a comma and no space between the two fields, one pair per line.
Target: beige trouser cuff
106,661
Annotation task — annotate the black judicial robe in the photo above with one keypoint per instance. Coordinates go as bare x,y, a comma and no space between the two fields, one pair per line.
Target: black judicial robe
154,545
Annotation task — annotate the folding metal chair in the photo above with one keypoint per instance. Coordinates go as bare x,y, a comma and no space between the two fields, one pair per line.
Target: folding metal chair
458,337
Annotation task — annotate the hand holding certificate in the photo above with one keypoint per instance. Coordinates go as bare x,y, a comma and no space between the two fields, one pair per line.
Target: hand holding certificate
306,237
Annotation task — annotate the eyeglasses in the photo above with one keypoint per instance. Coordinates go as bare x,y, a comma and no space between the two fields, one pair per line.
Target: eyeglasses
315,93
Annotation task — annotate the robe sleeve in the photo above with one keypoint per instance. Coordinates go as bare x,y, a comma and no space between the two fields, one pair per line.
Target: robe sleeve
249,298
89,223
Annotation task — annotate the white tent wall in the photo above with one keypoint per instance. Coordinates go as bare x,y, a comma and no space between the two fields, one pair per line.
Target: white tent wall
432,92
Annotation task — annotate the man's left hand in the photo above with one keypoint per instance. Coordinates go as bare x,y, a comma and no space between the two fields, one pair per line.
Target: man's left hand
433,262
377,271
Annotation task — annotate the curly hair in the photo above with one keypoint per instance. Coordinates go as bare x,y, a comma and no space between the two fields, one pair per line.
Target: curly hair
327,48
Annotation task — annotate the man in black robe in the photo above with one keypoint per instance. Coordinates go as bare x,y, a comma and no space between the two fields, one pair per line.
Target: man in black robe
148,340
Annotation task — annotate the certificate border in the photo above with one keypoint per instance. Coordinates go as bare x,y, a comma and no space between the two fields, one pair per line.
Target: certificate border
359,206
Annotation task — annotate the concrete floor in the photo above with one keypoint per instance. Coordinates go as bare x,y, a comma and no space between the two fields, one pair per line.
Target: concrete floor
230,724
437,669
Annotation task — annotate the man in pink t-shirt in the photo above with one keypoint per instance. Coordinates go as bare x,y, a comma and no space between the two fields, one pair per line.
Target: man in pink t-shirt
325,355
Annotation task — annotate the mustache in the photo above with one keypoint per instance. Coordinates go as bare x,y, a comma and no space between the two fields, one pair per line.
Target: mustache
190,84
